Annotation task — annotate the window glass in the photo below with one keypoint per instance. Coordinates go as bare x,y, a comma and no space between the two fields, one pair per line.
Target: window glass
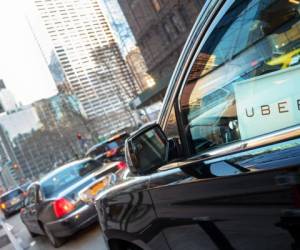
244,81
11,195
150,150
171,129
60,180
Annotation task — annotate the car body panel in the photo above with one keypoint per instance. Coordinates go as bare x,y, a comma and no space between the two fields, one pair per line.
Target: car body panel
240,208
246,197
79,219
129,214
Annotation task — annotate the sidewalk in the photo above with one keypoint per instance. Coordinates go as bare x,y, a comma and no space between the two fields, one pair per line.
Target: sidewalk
9,239
5,243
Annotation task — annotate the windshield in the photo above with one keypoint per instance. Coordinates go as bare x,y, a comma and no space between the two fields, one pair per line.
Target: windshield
67,177
11,195
112,145
103,148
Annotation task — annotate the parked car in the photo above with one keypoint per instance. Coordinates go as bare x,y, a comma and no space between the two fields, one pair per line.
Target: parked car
221,176
109,150
53,206
12,201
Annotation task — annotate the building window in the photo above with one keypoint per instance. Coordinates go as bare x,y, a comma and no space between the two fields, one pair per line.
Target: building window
178,23
156,5
170,32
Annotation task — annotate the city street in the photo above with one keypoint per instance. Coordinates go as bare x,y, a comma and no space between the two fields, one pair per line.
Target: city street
89,238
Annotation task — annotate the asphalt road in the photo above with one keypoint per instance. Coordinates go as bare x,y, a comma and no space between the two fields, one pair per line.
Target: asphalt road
90,238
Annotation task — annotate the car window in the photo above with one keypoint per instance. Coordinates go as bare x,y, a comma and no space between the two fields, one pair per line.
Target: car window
11,195
119,141
66,177
150,150
112,145
171,129
243,82
97,151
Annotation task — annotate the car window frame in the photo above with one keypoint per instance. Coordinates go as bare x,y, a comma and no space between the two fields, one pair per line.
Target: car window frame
207,16
223,150
186,138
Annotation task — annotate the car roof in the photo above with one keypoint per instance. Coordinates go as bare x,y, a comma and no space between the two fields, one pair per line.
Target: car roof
117,136
63,167
96,146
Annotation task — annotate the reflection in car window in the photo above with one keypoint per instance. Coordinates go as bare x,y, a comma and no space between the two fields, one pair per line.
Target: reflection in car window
243,82
150,150
31,196
67,177
112,145
103,147
171,129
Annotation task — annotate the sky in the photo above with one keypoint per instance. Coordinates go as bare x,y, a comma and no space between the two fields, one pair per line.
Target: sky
22,66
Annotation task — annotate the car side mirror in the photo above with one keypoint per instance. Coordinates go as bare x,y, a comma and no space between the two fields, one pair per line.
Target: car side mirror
147,150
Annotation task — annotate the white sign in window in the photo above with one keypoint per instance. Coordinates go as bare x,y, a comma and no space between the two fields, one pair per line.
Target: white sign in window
268,103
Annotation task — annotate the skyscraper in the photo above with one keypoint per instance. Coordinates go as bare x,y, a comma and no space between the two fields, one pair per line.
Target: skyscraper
8,102
160,28
91,61
2,85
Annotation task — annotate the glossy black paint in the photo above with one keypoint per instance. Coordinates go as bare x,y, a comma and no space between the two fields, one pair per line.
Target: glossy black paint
247,198
243,201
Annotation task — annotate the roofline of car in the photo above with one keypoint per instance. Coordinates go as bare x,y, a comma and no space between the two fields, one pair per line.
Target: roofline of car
9,191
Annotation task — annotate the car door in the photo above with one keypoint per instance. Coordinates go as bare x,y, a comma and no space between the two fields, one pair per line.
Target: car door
237,116
31,210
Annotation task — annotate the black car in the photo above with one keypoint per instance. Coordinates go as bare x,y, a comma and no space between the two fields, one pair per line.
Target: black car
12,201
220,168
111,149
54,206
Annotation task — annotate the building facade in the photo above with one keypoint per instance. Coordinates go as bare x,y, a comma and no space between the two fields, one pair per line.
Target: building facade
91,61
8,102
37,138
160,28
138,67
119,25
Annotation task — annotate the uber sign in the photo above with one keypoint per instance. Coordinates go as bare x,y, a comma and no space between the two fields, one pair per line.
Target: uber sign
268,103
